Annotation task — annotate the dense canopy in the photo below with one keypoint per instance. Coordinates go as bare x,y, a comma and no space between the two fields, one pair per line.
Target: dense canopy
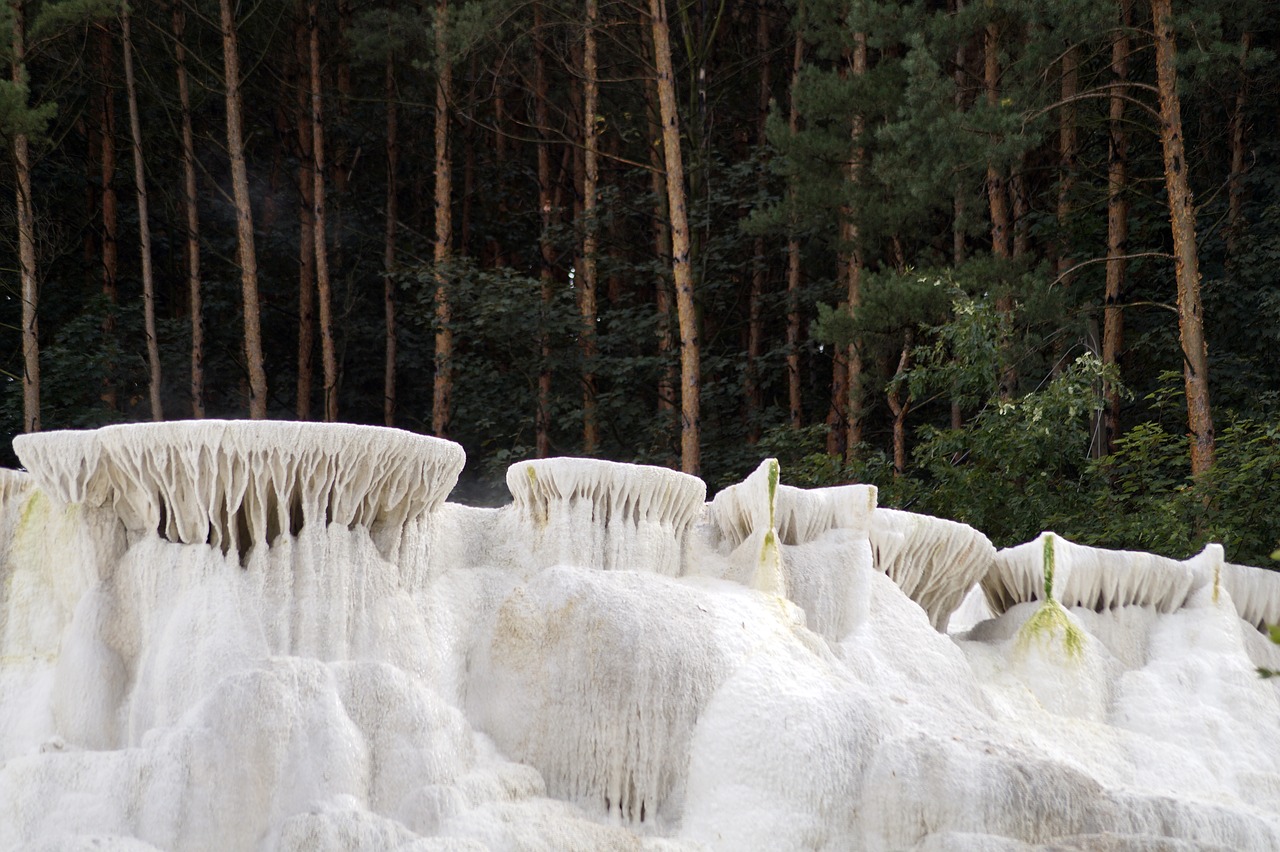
1014,262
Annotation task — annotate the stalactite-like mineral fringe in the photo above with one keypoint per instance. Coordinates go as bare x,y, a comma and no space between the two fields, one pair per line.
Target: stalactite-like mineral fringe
234,484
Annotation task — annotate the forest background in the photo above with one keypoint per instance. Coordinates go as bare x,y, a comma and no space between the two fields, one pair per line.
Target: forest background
1016,262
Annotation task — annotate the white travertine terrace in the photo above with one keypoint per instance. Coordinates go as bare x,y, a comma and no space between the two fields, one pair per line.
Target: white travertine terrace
1096,578
934,561
1254,591
604,514
233,484
485,685
805,514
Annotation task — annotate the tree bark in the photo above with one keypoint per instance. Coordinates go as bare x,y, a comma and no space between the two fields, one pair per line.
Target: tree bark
244,217
389,240
144,228
26,238
1195,365
191,214
442,390
681,267
590,238
1117,225
328,353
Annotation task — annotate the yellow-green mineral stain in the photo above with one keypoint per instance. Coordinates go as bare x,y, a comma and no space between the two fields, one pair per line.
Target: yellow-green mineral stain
769,572
1051,617
540,512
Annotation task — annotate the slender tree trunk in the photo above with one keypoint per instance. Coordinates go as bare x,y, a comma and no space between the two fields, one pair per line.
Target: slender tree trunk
1117,224
668,379
1002,242
496,240
306,223
190,212
853,275
590,238
328,352
681,268
1195,365
442,395
959,202
468,179
342,161
900,404
1020,196
795,397
546,252
1068,151
110,212
244,217
26,237
389,241
759,268
144,228
1235,139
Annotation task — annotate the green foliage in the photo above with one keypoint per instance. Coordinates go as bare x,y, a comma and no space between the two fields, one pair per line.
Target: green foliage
1025,464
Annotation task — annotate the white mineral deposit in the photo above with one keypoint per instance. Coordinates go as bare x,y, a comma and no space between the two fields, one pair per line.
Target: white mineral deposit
280,636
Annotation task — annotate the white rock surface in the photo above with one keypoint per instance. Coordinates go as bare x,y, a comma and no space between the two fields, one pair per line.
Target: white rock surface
1097,578
933,560
605,664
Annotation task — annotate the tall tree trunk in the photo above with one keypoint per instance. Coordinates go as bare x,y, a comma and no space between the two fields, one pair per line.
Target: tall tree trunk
668,379
191,214
546,252
389,241
26,237
468,177
328,352
496,239
1195,365
1002,242
681,268
1235,139
795,397
759,268
144,228
442,390
1068,151
853,274
244,217
343,158
306,222
958,202
110,211
590,238
1117,224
